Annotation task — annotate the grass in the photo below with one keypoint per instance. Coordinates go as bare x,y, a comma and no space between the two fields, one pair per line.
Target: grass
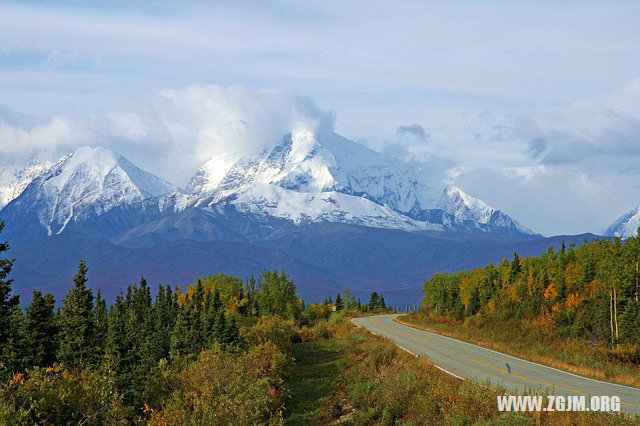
354,378
566,354
318,365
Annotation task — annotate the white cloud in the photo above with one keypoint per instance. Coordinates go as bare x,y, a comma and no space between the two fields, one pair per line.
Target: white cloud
174,131
557,170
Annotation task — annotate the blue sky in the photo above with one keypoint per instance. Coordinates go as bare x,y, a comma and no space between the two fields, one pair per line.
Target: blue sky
531,106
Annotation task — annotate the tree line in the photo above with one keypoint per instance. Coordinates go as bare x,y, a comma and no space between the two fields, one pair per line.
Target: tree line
590,292
349,301
136,357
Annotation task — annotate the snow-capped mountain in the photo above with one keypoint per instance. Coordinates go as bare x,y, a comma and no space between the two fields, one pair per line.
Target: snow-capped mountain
310,178
85,183
306,178
626,226
13,180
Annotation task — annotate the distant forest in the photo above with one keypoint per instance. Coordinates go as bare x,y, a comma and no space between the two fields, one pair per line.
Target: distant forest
590,293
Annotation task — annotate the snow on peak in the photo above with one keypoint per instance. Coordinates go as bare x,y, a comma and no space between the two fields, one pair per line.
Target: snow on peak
467,209
211,173
329,178
86,182
13,180
626,226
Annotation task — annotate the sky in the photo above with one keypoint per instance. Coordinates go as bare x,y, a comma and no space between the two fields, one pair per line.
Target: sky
534,107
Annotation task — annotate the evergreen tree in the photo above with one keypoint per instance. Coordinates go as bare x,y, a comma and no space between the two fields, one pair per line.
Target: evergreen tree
164,321
515,268
339,304
381,303
214,306
231,333
100,324
8,304
373,301
220,328
116,330
588,270
40,331
116,345
76,324
139,356
181,344
15,350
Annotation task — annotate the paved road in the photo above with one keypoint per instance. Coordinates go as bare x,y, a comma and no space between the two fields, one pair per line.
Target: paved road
467,361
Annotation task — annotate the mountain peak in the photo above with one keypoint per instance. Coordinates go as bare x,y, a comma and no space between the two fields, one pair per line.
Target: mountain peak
329,178
626,226
89,181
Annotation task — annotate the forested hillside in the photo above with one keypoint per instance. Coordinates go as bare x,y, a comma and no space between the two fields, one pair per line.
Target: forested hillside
579,303
219,351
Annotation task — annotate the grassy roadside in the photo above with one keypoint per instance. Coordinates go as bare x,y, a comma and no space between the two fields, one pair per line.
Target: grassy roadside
352,377
570,355
318,366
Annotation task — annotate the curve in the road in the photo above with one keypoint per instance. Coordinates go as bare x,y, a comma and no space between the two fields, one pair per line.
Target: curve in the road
468,361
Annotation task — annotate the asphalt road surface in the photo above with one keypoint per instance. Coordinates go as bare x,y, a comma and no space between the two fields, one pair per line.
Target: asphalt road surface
467,361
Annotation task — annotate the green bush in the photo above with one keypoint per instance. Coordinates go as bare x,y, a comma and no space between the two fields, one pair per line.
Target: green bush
225,388
56,395
272,329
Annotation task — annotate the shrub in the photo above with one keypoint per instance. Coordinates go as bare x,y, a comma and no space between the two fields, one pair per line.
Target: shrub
225,388
273,329
55,395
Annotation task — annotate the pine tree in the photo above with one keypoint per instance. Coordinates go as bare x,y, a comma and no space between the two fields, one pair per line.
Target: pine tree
231,334
163,322
181,344
15,350
373,301
40,331
116,345
381,303
197,318
100,324
139,356
515,268
9,302
76,325
339,304
214,306
220,327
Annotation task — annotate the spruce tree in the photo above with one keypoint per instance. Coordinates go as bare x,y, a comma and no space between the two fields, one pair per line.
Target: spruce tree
8,304
165,318
40,331
181,345
116,340
76,323
100,324
373,301
231,333
214,306
140,357
221,327
514,269
15,350
339,304
381,303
